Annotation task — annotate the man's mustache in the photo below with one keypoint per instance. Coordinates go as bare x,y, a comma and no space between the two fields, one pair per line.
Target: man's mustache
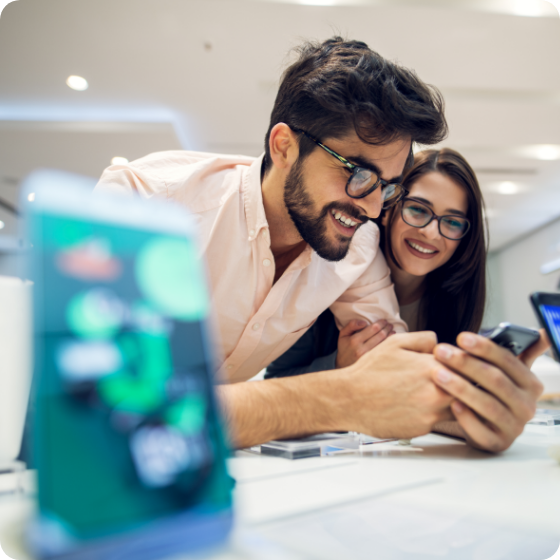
347,210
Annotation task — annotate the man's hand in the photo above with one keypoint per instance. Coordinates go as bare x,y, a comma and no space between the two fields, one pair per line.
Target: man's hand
496,393
388,392
357,338
390,389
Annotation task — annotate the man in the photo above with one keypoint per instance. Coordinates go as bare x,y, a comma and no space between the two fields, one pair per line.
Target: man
289,234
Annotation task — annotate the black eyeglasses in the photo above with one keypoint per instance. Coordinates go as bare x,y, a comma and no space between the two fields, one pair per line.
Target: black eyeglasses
363,181
418,215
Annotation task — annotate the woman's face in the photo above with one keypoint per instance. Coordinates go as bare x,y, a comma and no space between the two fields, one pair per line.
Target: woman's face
421,250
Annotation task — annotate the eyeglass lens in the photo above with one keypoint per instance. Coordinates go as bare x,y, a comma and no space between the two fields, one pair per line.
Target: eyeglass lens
418,215
363,179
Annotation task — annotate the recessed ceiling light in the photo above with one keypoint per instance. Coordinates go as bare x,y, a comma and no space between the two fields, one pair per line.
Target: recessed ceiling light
31,196
507,187
2,224
118,160
318,2
77,82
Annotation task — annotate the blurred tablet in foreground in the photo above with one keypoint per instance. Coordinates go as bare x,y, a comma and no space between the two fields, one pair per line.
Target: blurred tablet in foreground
547,308
127,440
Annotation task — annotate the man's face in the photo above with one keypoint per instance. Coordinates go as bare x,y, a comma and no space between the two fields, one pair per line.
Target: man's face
315,196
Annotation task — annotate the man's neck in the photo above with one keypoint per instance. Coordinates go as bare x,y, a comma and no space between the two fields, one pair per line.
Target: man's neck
286,243
408,288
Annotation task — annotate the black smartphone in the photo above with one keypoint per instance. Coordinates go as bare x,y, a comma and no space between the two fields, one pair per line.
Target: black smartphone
547,308
513,337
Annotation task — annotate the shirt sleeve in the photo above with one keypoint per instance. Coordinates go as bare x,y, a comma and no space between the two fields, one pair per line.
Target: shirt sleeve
126,180
371,297
323,363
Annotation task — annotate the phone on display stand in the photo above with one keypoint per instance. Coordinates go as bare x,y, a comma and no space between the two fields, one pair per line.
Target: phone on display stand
547,308
128,438
513,337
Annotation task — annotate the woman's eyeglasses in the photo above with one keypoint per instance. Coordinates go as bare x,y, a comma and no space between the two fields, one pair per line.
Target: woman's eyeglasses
363,181
418,215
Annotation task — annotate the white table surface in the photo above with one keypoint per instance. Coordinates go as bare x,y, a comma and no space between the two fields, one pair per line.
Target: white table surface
446,501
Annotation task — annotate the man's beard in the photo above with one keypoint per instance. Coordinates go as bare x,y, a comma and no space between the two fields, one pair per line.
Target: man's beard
313,229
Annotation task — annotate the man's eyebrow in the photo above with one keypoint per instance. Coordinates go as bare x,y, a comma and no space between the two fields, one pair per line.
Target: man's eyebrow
361,161
428,203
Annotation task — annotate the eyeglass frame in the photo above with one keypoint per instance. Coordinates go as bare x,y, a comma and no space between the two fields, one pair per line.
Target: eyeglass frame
434,217
352,167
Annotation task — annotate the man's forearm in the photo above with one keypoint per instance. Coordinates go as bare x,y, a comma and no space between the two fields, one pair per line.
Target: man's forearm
260,411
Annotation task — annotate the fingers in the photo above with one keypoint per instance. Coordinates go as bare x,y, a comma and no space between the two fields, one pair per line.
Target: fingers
493,413
475,398
500,358
352,327
365,333
477,432
533,352
378,337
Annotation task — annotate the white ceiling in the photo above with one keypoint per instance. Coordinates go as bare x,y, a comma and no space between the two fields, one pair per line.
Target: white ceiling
202,74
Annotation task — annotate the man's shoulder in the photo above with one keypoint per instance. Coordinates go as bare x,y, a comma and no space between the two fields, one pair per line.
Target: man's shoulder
181,164
196,179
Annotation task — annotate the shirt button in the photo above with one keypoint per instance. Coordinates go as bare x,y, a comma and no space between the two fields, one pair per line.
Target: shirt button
256,326
229,366
267,262
251,233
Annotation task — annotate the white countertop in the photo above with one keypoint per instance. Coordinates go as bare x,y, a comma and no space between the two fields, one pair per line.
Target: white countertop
446,501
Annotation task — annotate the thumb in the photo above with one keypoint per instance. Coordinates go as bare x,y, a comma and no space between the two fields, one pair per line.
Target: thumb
423,341
534,351
353,326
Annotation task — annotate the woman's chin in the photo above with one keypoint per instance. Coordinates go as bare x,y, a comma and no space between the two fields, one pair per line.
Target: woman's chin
419,269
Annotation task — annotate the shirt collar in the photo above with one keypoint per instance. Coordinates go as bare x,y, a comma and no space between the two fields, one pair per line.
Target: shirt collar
253,200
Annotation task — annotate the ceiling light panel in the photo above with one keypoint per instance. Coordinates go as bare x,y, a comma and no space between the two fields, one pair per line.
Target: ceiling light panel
118,160
507,187
545,152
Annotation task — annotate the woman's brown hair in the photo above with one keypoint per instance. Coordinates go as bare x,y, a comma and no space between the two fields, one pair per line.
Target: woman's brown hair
455,293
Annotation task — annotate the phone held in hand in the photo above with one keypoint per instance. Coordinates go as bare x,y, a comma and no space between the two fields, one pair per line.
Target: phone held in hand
547,308
513,337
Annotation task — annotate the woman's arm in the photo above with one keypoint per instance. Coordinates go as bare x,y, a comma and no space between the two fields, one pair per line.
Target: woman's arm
314,351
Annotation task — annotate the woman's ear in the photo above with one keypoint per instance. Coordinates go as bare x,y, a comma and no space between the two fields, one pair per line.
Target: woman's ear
384,219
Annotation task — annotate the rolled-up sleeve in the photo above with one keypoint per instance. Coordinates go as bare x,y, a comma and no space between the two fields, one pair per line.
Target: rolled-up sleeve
371,297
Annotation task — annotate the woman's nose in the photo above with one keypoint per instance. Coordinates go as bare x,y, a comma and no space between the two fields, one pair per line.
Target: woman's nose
431,231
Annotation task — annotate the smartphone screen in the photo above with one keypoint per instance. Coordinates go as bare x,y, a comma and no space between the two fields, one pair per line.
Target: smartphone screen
551,314
126,429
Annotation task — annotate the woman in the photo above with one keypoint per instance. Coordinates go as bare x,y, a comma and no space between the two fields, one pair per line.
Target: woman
434,243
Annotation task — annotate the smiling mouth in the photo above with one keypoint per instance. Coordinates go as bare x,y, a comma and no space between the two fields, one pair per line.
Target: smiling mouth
421,249
343,220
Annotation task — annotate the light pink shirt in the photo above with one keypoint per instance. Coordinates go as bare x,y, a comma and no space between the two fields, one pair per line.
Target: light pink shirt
258,321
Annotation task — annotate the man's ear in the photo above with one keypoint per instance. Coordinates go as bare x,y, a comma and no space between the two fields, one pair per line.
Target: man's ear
284,146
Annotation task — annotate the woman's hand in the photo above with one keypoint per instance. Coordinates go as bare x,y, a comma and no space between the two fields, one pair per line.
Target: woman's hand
357,338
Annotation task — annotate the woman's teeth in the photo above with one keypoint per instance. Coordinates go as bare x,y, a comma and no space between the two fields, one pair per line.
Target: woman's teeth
418,248
344,220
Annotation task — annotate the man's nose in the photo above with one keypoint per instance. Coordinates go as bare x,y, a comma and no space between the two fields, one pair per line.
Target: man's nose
371,204
431,231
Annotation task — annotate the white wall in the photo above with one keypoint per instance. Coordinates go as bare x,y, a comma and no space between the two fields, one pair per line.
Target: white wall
514,272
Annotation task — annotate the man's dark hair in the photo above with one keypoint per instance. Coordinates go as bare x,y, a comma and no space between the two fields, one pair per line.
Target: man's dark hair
339,86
